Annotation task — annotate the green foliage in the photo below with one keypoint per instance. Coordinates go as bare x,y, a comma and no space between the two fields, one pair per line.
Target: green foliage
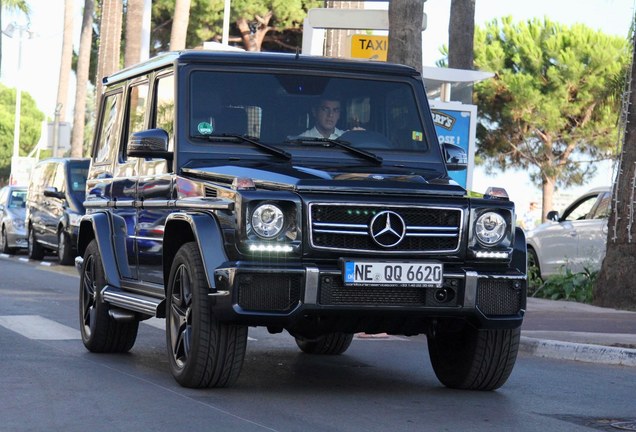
206,18
30,126
554,100
567,286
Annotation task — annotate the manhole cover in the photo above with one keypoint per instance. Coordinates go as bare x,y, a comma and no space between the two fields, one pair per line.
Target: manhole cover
627,425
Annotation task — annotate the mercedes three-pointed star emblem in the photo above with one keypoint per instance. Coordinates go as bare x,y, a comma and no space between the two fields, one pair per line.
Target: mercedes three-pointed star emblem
387,228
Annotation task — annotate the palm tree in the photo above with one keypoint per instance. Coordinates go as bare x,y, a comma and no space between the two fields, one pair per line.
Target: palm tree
83,63
134,16
12,5
405,32
65,63
179,25
109,41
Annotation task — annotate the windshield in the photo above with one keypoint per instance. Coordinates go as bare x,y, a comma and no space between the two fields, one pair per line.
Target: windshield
288,109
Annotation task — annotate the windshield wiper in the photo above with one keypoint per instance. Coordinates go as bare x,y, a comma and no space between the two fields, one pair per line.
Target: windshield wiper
245,139
342,144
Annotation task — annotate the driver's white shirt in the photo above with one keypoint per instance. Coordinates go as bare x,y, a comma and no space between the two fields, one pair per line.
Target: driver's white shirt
314,133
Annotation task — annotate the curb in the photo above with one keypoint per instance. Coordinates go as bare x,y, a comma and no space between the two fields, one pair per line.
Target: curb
577,351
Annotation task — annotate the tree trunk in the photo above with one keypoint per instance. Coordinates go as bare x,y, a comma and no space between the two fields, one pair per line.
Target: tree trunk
180,25
616,285
405,32
109,42
65,63
547,189
134,16
83,64
335,39
461,33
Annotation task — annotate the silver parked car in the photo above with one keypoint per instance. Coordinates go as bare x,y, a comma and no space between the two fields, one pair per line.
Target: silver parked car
12,234
574,240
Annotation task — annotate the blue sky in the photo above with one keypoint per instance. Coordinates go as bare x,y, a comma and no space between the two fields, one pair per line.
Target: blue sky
40,55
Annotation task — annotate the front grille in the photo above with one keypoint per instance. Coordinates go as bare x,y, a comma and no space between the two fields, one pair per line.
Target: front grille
346,227
269,292
333,292
499,296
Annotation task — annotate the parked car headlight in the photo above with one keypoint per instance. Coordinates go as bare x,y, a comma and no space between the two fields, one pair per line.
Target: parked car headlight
18,223
490,228
267,221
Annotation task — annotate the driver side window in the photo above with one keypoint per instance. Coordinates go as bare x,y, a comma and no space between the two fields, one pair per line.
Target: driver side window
581,209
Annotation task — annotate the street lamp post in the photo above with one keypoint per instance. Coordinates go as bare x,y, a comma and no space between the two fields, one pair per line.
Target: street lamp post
10,32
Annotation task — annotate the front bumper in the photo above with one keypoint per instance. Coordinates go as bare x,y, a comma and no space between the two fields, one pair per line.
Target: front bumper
17,238
307,295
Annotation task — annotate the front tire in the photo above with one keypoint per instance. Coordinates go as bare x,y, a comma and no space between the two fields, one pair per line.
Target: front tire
100,332
203,352
64,248
4,243
467,358
329,344
36,251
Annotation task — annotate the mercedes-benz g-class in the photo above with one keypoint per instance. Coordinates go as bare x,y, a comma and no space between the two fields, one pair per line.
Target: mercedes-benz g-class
305,194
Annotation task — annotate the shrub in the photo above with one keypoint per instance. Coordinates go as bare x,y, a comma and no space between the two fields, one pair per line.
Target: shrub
567,286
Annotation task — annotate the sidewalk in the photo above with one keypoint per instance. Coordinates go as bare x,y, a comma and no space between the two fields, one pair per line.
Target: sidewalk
575,331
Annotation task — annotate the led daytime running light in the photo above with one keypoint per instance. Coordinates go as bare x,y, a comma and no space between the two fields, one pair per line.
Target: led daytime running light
260,247
491,254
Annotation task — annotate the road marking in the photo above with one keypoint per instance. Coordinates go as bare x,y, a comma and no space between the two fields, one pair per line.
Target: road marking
160,324
38,328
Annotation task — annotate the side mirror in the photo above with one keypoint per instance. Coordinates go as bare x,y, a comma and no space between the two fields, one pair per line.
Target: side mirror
52,192
553,215
455,157
151,143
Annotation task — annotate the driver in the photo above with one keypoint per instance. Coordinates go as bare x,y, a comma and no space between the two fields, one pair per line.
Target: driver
326,115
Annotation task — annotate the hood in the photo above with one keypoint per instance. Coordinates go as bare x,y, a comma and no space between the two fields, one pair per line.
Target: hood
350,179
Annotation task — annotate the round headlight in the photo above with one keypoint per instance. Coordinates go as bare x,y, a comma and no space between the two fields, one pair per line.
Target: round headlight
490,228
267,221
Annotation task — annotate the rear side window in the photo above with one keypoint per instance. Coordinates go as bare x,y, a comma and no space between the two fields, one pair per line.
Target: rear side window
164,114
106,143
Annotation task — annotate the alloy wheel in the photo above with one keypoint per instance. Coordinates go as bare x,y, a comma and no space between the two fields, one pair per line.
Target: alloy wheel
88,295
181,316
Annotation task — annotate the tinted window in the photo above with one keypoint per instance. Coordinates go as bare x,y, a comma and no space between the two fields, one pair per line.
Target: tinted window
77,178
277,107
137,100
106,143
164,114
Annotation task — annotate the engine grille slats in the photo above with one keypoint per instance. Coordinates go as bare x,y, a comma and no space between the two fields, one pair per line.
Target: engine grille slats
347,227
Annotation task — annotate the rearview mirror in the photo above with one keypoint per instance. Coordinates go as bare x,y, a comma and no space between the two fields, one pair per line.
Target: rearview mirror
553,215
151,143
455,157
52,192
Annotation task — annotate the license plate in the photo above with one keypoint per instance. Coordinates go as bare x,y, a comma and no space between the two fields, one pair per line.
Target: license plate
421,274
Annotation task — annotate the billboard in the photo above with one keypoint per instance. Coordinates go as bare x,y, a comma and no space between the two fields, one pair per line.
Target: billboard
455,123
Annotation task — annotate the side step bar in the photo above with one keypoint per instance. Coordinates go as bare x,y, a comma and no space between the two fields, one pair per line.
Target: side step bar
130,301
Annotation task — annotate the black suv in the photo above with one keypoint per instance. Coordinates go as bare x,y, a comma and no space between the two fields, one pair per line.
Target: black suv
55,204
212,202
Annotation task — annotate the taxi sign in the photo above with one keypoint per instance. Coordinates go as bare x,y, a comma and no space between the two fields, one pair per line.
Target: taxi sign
369,47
